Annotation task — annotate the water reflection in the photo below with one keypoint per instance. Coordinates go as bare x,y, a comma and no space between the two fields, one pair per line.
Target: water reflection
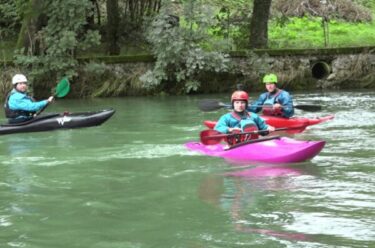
256,197
18,146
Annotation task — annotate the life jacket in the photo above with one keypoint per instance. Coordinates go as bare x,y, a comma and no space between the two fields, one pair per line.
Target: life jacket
268,105
13,114
247,125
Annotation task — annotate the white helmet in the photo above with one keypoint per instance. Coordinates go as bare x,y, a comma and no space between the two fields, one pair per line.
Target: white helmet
19,78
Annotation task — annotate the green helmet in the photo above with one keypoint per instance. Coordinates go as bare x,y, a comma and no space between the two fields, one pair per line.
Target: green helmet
270,78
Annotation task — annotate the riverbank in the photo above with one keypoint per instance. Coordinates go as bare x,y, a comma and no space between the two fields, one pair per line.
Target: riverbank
297,69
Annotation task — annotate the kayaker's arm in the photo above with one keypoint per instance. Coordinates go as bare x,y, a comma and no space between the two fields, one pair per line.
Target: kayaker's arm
222,126
25,103
256,106
285,99
262,124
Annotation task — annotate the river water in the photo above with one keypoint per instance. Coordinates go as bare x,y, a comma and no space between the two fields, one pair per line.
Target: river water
132,183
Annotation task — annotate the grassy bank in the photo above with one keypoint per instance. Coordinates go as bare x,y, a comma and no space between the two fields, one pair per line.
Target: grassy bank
308,33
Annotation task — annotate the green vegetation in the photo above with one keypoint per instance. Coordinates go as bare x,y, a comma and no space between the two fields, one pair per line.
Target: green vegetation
179,49
61,39
6,50
307,32
187,38
229,26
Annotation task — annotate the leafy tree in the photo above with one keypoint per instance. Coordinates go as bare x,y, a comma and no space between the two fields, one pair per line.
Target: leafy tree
9,18
59,40
182,48
133,13
33,21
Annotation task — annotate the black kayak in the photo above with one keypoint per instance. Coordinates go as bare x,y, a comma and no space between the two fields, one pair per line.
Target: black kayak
58,121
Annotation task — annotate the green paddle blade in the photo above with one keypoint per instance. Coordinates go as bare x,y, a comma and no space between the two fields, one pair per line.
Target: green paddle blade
62,88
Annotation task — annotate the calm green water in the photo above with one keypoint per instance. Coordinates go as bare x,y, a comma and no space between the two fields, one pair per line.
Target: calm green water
131,182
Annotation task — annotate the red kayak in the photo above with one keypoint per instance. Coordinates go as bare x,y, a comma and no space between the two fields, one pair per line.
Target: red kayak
279,122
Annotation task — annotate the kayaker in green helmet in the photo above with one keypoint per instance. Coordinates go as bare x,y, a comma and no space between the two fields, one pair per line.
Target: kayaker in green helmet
240,120
19,106
275,102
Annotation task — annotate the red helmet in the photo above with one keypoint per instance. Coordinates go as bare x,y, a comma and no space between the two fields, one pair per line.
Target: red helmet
239,95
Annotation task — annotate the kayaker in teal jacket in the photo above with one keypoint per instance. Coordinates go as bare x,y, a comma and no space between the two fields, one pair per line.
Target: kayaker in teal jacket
275,102
20,107
241,120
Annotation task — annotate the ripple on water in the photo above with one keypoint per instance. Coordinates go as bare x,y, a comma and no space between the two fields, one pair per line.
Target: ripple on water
134,151
354,120
331,224
336,199
145,151
5,221
137,150
336,202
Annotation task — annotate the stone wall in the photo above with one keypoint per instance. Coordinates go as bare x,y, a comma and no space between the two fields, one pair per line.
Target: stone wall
313,69
297,69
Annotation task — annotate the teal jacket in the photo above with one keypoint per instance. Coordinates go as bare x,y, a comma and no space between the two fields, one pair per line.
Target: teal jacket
20,106
236,120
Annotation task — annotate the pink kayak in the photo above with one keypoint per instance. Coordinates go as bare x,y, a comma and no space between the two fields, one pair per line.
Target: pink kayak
270,150
279,122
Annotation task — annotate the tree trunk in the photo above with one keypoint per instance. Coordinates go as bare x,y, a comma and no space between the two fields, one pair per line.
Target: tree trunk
33,21
259,24
90,18
112,27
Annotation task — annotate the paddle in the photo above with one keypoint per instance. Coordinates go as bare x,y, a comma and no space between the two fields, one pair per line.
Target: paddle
213,104
251,142
212,137
61,90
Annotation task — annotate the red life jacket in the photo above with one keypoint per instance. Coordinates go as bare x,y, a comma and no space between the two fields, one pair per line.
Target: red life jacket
268,105
250,127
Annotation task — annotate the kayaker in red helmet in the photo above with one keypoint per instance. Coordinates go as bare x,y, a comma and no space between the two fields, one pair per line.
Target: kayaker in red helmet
240,120
275,102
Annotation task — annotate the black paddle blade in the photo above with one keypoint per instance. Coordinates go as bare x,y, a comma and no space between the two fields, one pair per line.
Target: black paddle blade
210,105
308,107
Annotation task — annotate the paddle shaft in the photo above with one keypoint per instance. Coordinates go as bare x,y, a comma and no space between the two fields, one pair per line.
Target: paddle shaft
219,136
252,141
62,89
42,109
253,132
213,104
216,138
307,107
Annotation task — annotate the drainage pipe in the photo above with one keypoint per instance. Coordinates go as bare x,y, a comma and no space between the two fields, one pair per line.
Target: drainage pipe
320,70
